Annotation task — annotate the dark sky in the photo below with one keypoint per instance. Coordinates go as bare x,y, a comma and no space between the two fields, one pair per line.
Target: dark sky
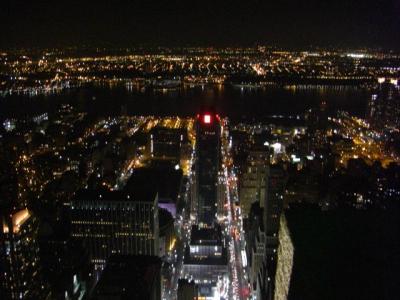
286,23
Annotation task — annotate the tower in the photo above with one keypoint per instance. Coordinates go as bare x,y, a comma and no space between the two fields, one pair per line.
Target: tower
384,106
208,132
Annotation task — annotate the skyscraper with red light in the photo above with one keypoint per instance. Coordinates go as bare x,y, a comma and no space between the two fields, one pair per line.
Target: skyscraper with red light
208,132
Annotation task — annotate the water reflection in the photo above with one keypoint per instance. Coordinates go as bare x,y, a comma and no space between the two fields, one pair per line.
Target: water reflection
234,101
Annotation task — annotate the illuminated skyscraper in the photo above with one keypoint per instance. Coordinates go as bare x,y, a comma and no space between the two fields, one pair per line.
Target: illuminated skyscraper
206,260
208,132
384,105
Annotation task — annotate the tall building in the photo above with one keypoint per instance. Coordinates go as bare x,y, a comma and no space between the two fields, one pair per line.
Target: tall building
273,205
208,132
206,260
20,272
276,183
384,106
116,222
252,181
317,126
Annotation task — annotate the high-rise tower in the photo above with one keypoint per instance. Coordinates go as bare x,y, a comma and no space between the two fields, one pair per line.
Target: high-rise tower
276,182
208,132
384,106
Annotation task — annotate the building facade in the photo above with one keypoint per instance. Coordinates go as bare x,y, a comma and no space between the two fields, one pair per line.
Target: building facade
116,223
252,183
384,106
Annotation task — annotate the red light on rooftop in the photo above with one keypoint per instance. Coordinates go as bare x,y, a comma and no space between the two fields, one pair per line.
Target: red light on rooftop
207,119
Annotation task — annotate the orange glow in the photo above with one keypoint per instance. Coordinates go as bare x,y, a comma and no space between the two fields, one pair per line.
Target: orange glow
5,228
19,218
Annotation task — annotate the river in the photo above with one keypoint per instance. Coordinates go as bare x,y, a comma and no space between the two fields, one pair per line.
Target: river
231,101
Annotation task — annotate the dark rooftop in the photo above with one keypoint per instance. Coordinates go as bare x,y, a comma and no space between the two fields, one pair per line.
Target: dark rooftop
206,236
167,130
345,253
129,277
164,180
105,195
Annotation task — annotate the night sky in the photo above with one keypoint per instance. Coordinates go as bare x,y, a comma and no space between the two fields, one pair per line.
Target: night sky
294,24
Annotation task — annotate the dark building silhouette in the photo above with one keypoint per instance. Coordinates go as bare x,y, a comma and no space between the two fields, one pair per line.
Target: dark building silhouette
162,178
317,125
66,266
130,277
187,290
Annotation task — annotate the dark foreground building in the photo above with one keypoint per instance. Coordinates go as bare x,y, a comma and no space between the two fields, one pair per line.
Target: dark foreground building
129,277
345,253
187,290
66,266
